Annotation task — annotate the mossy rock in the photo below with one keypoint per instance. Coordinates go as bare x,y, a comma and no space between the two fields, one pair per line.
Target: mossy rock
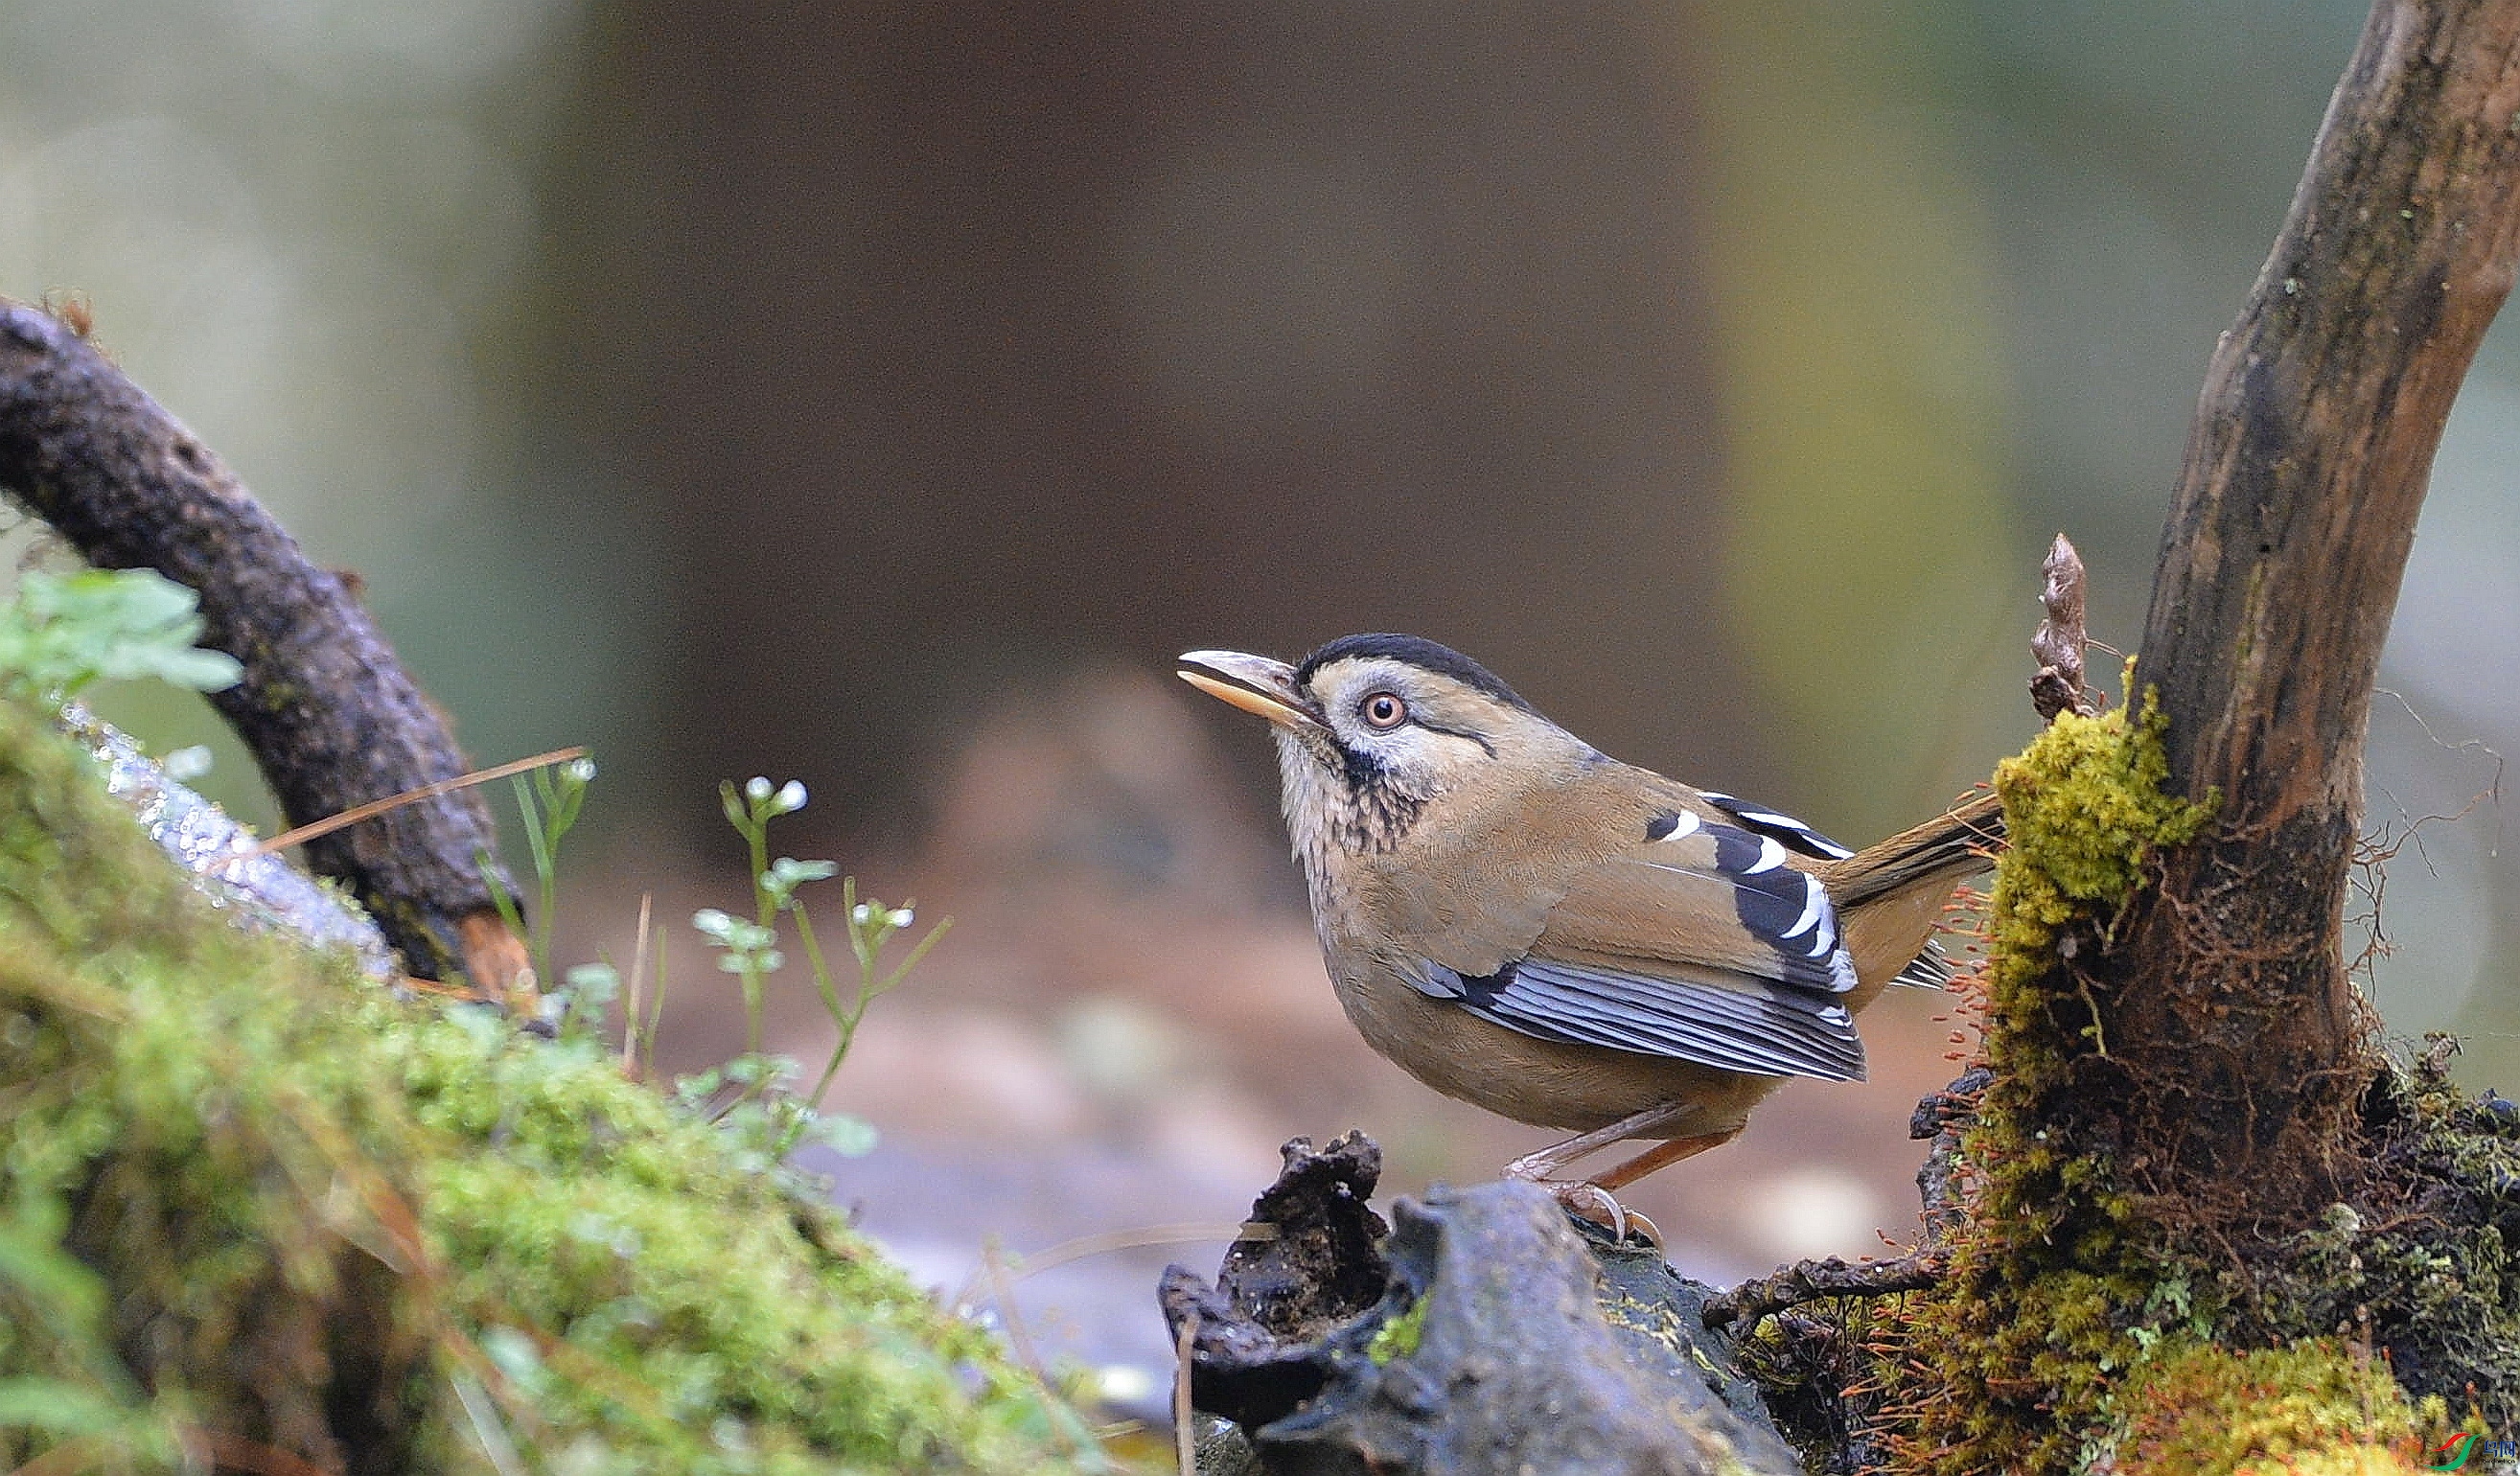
252,1205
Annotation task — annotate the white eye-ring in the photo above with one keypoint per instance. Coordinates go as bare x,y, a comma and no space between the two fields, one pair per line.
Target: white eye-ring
1382,710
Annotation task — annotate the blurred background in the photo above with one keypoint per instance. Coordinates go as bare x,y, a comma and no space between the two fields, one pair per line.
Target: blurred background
881,395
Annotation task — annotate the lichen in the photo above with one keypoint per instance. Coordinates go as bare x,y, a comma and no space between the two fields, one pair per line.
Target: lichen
247,1198
1399,1335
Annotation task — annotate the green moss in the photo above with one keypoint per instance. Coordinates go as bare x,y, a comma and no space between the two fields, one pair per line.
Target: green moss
2082,806
1399,1334
2421,1263
2079,1326
2307,1409
2055,1285
244,1196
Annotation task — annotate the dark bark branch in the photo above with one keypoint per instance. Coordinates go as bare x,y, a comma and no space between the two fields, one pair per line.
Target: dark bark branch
1812,1280
2279,567
325,708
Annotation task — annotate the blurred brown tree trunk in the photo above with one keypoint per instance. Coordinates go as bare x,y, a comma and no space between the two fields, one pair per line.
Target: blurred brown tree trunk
1080,333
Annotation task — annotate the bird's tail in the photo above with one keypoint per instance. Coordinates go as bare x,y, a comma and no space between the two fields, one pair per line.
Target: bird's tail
1944,849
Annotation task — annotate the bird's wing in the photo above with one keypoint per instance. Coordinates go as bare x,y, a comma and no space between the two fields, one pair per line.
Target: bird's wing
1776,826
1703,944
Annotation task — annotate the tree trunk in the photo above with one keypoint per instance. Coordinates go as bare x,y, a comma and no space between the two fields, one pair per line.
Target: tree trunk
2294,513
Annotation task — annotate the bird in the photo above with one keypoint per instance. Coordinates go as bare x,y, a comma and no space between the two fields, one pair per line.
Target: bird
1527,924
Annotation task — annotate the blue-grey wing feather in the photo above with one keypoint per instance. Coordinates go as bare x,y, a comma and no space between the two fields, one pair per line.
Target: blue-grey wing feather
1930,969
1764,1028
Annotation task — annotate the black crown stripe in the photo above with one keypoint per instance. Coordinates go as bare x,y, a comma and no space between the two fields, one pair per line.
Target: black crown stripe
1418,652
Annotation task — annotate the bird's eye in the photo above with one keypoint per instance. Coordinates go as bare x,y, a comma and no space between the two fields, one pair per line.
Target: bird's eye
1382,709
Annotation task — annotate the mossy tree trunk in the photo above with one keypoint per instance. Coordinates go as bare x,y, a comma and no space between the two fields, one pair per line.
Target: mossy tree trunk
2193,1184
2235,1048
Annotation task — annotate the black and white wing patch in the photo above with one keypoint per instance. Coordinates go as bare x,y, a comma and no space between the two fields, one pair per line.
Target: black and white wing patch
1737,1025
1930,969
1787,925
1785,909
1785,829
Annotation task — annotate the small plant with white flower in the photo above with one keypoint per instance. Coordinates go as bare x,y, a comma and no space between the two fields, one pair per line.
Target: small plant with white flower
749,947
751,1095
752,1092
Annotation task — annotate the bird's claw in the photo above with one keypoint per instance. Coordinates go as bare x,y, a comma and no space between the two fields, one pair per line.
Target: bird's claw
1595,1205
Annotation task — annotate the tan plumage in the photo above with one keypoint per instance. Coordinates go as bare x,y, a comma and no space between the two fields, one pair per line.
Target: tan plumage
1526,924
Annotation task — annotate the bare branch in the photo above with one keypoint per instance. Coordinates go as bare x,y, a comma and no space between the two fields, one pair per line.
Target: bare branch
1810,1280
328,711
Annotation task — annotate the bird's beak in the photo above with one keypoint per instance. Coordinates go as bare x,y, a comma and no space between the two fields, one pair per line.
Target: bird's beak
1255,683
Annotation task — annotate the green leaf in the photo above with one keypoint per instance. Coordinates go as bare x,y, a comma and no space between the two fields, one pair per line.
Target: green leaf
65,631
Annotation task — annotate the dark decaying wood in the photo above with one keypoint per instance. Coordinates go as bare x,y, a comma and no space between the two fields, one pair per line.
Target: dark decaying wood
2231,1015
1522,1343
331,717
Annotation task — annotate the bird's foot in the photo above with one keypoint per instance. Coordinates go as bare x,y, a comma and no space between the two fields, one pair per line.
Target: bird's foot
1593,1204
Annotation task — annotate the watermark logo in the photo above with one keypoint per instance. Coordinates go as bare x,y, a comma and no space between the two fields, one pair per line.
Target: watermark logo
2461,1452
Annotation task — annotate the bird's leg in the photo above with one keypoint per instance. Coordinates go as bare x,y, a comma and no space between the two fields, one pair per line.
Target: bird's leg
1591,1199
1539,1166
1663,1155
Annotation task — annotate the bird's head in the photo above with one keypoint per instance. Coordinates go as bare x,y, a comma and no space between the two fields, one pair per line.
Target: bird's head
1372,729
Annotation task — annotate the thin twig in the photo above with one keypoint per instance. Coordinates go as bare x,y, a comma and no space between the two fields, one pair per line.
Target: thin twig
1185,1439
1005,1292
1191,1232
375,807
